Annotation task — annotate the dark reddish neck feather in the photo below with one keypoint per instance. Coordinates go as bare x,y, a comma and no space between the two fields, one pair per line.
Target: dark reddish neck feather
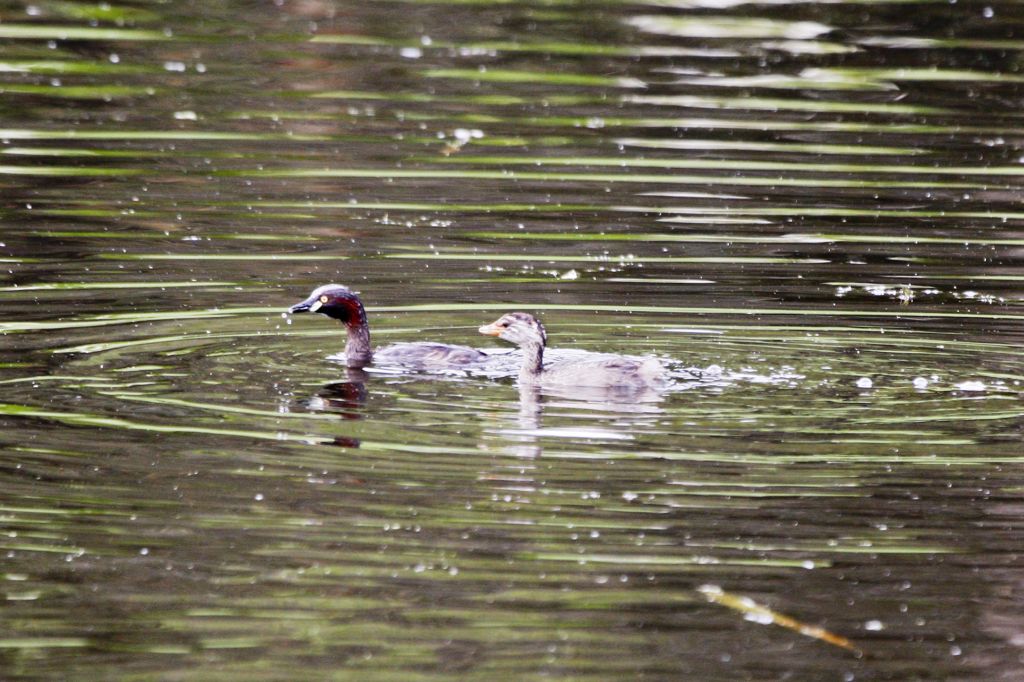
355,314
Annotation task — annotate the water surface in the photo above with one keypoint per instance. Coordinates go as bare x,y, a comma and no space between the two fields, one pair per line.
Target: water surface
811,207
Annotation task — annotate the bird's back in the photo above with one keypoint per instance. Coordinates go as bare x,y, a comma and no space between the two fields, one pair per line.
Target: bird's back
429,356
598,369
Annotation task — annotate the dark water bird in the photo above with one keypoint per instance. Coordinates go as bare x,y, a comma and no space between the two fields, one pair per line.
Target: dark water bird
343,304
583,370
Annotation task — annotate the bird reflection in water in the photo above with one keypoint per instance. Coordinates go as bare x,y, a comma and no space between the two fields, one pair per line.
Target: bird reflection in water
514,474
631,409
343,398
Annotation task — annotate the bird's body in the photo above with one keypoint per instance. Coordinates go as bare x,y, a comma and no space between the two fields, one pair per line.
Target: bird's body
604,369
428,355
344,305
627,372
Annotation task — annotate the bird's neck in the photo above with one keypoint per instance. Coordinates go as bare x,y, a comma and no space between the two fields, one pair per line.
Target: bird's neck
357,350
533,363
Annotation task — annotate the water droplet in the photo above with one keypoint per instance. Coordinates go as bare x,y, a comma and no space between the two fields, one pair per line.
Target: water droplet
971,386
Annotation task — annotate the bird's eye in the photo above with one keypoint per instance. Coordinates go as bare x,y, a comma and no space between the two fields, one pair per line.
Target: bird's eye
323,299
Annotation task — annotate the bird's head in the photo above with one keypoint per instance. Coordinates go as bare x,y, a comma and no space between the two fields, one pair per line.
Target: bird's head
334,300
519,328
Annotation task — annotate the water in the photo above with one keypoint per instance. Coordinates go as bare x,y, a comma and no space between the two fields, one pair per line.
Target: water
813,205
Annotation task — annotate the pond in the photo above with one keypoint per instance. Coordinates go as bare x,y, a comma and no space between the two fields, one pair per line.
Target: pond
810,212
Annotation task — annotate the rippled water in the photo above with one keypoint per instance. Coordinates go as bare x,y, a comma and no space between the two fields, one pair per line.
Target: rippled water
810,211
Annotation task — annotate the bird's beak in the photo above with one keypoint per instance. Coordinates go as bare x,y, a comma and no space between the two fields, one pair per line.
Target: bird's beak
310,305
490,330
